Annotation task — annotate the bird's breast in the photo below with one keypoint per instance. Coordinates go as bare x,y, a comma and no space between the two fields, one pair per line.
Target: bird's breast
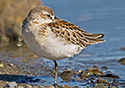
44,43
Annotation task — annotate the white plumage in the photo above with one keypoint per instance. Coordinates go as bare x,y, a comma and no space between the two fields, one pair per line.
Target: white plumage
48,47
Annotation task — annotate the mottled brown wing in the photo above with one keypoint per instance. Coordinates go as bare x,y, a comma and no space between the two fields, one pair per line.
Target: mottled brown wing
73,34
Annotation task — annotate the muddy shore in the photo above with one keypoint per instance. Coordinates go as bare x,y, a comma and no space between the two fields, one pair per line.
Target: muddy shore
20,68
12,76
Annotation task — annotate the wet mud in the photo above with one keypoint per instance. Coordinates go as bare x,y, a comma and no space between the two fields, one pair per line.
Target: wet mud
20,68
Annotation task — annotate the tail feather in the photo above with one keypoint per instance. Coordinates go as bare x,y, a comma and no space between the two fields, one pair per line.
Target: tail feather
94,38
90,35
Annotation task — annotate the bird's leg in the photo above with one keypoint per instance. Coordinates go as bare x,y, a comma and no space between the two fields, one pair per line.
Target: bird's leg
56,70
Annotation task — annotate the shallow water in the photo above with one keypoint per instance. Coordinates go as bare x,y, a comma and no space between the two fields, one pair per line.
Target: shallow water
97,16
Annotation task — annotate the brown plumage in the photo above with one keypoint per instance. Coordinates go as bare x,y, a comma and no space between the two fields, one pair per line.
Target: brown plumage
71,33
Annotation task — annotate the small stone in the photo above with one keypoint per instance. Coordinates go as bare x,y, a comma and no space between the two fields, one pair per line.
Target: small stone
102,81
11,64
122,61
100,85
20,87
123,48
90,71
85,74
49,86
95,70
104,67
41,87
95,67
64,86
66,75
19,44
79,72
111,76
29,86
1,65
11,85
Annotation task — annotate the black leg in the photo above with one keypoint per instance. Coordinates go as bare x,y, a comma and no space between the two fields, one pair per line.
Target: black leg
56,71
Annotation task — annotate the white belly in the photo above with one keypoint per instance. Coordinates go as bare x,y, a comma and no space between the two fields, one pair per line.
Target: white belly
50,47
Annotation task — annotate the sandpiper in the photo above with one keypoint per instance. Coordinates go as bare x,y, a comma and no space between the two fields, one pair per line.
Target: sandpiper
50,37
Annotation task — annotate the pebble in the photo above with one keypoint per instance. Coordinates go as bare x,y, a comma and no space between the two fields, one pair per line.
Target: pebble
122,61
1,65
12,65
90,71
102,81
123,48
20,87
101,85
11,85
66,75
111,76
49,86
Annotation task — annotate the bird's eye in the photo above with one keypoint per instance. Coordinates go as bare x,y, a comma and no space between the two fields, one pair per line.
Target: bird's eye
48,15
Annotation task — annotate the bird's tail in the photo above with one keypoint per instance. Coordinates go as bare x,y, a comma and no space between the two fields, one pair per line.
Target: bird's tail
94,38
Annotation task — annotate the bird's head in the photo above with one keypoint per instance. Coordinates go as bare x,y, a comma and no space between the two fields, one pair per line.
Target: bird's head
41,14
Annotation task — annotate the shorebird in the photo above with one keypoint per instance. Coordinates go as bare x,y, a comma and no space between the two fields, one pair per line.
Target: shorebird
53,38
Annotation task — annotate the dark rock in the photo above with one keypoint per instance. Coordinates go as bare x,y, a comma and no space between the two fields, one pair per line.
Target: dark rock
100,85
85,74
111,76
104,67
123,48
66,75
102,81
91,71
122,61
95,70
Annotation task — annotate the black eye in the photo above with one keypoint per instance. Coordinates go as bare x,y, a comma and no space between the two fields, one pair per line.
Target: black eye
48,15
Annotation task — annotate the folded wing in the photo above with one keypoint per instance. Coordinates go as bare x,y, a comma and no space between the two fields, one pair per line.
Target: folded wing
71,33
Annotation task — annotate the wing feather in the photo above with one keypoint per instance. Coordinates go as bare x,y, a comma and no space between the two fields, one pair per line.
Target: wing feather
73,34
